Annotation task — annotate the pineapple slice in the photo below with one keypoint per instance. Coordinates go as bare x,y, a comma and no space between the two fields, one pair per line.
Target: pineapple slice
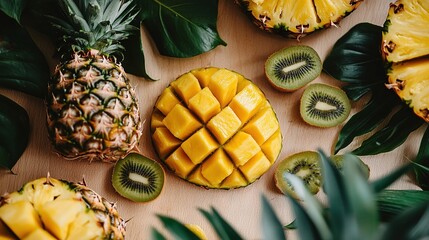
406,49
5,233
226,136
20,217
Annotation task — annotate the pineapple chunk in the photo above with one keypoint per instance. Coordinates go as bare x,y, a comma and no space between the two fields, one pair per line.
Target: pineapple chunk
180,163
247,102
167,101
186,86
224,125
198,178
217,167
272,146
85,227
181,122
262,126
235,179
204,75
59,214
223,85
204,104
5,233
241,148
39,234
20,217
255,167
169,142
199,146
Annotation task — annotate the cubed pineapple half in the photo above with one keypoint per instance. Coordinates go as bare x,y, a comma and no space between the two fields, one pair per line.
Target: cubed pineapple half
405,48
48,208
215,128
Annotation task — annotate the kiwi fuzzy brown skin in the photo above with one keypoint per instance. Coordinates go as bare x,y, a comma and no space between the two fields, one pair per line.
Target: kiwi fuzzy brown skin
328,96
133,160
302,74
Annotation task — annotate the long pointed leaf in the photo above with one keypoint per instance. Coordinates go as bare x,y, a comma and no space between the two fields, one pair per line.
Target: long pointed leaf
422,176
382,183
271,227
13,8
156,235
392,135
305,226
393,202
223,229
177,228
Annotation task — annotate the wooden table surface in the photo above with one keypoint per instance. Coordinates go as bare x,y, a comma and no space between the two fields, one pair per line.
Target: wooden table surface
247,49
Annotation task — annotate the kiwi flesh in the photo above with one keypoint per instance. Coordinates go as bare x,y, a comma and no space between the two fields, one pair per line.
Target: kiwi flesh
138,178
305,165
323,105
292,67
338,161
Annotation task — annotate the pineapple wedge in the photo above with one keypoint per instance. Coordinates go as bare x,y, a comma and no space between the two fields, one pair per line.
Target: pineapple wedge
225,135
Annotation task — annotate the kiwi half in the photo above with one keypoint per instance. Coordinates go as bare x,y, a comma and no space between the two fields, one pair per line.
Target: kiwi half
324,106
138,178
305,165
338,161
292,67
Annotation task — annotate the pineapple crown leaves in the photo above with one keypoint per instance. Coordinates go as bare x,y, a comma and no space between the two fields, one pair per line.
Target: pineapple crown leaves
357,209
94,24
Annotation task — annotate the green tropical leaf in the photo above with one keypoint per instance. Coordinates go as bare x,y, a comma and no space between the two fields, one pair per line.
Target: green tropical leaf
13,8
422,176
303,222
393,202
156,235
23,67
14,132
271,226
223,229
182,28
392,135
384,182
134,61
178,229
371,116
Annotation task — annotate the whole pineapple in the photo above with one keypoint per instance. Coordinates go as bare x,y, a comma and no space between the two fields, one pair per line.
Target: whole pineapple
296,19
92,110
405,47
48,208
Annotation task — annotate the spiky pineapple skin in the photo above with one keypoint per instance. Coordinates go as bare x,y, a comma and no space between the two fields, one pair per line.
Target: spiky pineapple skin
276,16
44,190
92,110
405,48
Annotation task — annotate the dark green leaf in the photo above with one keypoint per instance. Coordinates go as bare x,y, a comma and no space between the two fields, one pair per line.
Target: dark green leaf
223,229
178,229
393,202
422,176
374,113
355,57
392,135
182,29
22,65
271,226
134,61
303,222
384,182
156,235
14,132
13,8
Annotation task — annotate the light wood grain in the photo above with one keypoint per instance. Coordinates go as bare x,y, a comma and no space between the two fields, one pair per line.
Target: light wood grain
247,49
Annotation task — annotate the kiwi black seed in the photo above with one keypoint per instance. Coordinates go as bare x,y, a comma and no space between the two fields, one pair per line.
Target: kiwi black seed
138,178
293,67
305,165
324,105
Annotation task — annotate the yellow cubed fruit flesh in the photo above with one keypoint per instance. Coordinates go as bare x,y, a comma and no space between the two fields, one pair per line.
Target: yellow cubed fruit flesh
20,217
59,214
180,163
5,233
39,234
156,120
224,125
167,101
234,180
199,146
241,148
186,86
204,75
85,227
198,178
247,102
165,142
262,126
255,167
204,104
223,85
217,167
181,122
272,146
